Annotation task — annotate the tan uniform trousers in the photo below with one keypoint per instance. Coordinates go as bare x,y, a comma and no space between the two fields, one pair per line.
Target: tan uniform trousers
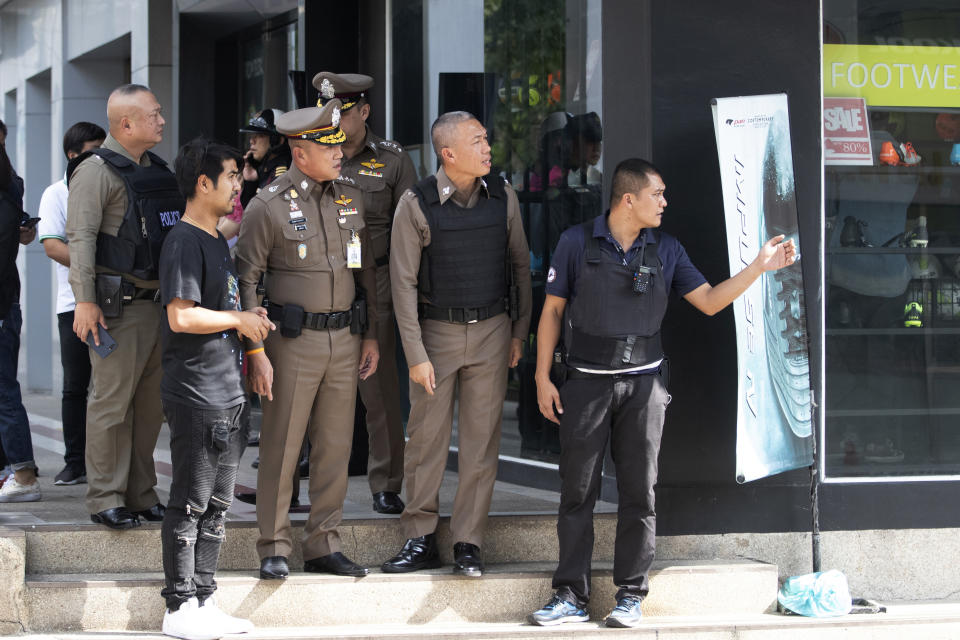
473,358
381,397
315,384
124,413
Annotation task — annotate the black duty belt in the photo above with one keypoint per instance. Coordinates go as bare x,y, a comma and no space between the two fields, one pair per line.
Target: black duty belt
315,321
132,292
461,316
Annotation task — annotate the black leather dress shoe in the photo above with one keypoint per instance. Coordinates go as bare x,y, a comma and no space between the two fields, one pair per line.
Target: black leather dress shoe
274,568
417,553
467,560
153,514
387,502
250,497
337,564
116,518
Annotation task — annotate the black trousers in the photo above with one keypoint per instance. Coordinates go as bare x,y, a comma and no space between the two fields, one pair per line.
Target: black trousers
205,449
75,360
627,410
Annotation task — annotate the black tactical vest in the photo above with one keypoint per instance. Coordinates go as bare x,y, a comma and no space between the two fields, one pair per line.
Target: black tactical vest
608,326
465,264
154,206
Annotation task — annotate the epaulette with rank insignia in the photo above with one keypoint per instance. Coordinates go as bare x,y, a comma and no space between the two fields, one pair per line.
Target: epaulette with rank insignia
279,171
391,146
346,180
274,189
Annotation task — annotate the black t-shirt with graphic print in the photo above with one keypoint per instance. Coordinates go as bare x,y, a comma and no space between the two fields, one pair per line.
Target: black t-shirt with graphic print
200,370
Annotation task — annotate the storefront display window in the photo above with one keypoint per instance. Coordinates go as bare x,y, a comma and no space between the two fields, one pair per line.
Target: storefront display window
891,80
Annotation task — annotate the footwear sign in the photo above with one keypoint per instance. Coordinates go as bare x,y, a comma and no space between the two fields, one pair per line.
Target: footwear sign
846,132
774,422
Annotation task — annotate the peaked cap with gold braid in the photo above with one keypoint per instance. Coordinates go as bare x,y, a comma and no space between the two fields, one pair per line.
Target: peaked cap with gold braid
346,87
316,124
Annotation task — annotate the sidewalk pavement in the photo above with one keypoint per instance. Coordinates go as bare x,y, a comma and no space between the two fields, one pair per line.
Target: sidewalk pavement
65,504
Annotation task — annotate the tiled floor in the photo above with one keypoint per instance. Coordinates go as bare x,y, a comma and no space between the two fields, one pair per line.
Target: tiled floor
64,505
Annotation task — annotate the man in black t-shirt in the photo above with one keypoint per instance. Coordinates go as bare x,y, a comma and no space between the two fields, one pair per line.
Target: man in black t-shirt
202,389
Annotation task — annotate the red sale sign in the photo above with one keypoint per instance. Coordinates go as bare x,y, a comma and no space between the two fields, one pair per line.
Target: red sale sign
846,132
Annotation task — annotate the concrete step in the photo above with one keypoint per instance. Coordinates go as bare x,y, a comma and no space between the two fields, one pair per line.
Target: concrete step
930,621
91,548
507,593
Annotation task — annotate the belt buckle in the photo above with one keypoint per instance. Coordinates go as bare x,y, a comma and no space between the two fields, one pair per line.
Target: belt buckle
475,313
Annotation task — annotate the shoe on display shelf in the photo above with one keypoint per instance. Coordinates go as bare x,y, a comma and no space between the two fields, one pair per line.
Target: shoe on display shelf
910,156
889,154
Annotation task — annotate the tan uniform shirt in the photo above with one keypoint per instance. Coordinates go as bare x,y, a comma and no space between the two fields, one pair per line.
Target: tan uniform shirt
383,171
97,202
411,233
300,243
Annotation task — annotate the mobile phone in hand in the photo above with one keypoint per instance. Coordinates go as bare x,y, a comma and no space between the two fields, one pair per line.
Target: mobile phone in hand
29,223
107,343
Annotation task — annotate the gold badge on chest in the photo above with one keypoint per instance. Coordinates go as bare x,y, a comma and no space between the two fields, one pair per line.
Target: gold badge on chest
371,168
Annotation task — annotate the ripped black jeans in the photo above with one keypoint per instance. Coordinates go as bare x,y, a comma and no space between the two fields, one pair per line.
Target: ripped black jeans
205,448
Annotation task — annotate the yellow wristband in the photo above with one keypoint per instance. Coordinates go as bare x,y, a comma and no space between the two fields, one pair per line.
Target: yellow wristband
253,351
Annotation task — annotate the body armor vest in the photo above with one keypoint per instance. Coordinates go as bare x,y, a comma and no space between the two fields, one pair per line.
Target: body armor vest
154,205
465,264
608,325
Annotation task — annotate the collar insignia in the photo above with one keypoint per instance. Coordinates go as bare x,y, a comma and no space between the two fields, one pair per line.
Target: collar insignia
273,189
304,185
446,191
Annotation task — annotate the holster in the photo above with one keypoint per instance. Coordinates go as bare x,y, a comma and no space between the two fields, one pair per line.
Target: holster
514,305
358,319
291,320
109,289
558,368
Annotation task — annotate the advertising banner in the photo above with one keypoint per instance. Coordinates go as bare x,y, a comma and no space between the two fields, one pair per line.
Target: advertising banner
893,76
774,422
846,132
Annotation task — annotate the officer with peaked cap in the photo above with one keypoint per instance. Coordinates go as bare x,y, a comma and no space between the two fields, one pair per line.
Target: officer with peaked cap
267,158
382,171
306,233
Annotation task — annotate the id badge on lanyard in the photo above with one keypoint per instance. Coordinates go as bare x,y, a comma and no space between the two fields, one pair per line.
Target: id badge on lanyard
353,251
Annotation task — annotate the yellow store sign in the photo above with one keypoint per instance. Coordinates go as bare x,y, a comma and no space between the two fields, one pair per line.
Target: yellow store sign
893,76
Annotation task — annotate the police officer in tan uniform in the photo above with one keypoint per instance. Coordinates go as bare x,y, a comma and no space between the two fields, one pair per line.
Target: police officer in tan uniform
382,171
113,273
460,269
306,234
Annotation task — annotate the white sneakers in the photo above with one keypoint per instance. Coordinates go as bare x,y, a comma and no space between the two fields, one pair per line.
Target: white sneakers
194,622
13,491
227,623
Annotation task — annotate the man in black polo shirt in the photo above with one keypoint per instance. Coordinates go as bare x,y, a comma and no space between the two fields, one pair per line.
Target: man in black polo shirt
202,388
609,302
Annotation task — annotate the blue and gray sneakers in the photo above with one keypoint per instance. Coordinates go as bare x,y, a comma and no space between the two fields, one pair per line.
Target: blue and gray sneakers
558,611
626,614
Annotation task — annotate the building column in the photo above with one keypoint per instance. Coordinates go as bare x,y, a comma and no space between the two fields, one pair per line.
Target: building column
153,38
37,283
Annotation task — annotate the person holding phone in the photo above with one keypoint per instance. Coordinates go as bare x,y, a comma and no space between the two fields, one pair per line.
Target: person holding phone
14,426
74,354
122,202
